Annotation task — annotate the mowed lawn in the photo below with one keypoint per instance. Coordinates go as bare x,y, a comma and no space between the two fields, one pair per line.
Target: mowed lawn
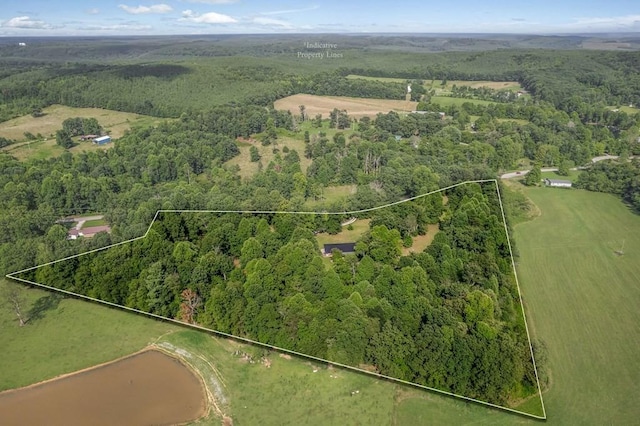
583,301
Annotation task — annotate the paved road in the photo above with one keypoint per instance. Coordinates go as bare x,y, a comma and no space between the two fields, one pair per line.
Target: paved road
521,173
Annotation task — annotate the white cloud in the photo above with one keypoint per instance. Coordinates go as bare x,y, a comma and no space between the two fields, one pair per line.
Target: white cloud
24,22
156,8
93,11
628,22
206,18
270,22
127,26
282,12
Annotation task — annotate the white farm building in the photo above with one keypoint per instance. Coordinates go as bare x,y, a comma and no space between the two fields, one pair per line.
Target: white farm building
558,183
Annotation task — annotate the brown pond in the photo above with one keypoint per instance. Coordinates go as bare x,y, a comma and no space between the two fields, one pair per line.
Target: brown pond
146,388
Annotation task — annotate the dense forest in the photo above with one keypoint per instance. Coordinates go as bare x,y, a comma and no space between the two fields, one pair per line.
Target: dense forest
447,317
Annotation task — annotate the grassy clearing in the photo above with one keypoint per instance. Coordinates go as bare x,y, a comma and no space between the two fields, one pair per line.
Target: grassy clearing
474,84
114,122
95,222
447,100
625,108
65,335
356,107
421,242
346,236
582,301
437,84
383,79
512,120
288,391
573,175
331,195
249,168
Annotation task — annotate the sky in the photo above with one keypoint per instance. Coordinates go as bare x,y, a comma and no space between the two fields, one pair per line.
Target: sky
160,17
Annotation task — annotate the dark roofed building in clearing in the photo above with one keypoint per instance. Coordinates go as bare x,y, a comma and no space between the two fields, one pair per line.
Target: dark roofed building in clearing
345,248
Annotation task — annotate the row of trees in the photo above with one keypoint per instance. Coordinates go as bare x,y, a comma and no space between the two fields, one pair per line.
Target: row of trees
617,177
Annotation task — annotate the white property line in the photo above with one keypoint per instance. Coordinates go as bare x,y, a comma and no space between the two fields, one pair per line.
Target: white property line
280,349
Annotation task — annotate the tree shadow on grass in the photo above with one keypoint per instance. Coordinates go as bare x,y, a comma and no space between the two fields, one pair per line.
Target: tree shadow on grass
43,305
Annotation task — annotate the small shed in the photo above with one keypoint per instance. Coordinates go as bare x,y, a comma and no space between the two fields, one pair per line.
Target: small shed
345,248
558,183
102,140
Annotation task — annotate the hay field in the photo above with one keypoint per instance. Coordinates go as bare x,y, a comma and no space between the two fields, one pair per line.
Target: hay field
356,107
115,122
582,300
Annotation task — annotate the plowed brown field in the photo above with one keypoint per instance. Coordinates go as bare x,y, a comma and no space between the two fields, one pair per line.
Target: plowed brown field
146,388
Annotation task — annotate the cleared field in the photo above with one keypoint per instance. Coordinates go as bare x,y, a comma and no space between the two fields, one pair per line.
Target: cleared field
437,84
345,236
65,335
582,300
356,107
249,168
147,388
474,84
384,79
627,109
115,122
421,242
573,175
95,222
447,100
331,195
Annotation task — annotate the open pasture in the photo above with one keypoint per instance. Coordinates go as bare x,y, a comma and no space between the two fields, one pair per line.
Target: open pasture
582,300
114,122
356,107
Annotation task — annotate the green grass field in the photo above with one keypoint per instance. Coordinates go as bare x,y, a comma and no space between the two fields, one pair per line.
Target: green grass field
447,100
95,222
331,195
573,175
114,122
626,108
383,79
582,300
345,236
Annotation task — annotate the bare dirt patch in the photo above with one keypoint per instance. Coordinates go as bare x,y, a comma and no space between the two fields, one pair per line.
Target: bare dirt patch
356,107
149,387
